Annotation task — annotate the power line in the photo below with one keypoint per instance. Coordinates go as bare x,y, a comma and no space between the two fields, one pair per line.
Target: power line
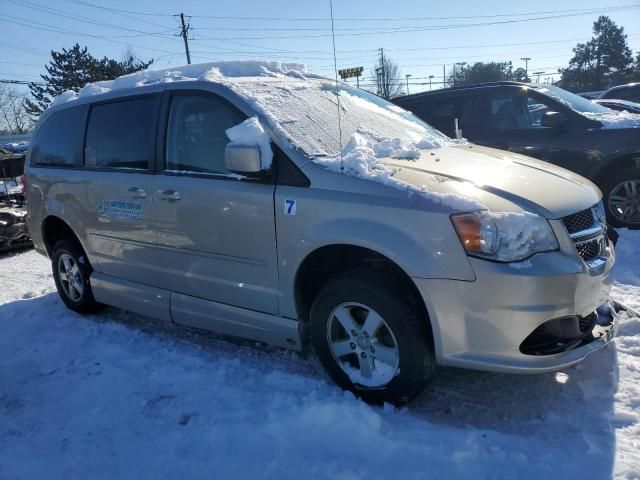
429,27
79,18
120,13
42,26
387,19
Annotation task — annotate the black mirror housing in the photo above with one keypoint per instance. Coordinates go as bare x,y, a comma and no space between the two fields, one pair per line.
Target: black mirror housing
553,119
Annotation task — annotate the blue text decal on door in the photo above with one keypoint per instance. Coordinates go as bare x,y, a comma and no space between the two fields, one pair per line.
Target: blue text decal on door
289,207
120,210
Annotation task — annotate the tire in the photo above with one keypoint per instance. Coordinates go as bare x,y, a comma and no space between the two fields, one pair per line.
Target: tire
353,298
76,293
618,191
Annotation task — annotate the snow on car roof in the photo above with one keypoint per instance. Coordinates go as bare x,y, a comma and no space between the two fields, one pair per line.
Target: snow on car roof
301,108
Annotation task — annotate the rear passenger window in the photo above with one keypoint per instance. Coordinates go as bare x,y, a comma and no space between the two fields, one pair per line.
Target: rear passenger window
58,141
196,136
122,134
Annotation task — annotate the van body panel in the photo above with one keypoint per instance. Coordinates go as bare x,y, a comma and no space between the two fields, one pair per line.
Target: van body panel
223,253
218,241
135,297
234,321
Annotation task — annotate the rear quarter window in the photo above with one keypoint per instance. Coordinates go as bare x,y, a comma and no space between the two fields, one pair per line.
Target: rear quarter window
58,141
121,134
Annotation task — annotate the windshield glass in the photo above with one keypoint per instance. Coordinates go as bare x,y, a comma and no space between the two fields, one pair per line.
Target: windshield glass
571,100
306,111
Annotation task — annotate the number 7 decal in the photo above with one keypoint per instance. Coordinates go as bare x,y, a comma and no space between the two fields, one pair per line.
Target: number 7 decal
289,207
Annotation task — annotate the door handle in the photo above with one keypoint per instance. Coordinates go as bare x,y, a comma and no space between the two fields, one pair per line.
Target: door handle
138,192
170,195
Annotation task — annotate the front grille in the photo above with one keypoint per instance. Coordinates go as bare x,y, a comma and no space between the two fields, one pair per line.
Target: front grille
580,221
589,234
589,250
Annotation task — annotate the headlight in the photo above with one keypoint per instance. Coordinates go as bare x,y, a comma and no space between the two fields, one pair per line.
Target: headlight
504,236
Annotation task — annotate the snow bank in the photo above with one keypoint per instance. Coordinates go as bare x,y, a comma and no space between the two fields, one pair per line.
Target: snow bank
251,133
615,120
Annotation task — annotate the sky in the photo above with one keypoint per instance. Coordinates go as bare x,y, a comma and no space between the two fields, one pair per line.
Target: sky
421,36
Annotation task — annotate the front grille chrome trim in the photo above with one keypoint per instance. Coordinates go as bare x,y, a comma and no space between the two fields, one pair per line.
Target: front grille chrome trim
591,243
591,232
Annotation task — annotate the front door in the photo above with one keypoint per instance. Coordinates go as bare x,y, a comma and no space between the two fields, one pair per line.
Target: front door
119,150
512,121
216,231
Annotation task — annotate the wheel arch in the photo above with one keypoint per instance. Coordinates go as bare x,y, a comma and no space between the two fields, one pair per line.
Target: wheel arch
627,160
55,229
328,261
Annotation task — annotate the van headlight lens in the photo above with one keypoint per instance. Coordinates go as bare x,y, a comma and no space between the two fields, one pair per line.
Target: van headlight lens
504,236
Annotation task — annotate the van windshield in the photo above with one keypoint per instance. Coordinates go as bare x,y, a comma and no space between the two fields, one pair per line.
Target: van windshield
306,112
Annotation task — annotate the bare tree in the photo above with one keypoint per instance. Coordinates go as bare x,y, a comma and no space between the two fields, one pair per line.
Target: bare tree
388,78
13,116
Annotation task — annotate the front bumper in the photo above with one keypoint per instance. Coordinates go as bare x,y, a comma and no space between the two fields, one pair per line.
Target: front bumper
482,324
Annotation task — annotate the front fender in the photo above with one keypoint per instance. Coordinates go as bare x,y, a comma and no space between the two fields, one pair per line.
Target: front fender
422,244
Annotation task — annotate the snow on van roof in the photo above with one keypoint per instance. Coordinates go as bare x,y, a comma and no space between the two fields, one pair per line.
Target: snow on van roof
210,71
302,109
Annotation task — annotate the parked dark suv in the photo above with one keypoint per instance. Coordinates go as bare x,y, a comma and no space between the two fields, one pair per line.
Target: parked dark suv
548,123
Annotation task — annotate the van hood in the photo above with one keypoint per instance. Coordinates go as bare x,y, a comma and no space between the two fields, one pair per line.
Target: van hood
532,185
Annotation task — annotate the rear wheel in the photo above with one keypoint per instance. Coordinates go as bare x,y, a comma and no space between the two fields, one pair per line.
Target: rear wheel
371,336
622,198
71,272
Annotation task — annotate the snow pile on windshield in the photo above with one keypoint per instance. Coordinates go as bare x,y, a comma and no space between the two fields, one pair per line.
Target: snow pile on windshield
299,106
361,158
615,120
302,110
251,133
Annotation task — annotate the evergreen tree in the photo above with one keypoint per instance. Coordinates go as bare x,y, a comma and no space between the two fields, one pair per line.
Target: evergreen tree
603,61
481,72
72,69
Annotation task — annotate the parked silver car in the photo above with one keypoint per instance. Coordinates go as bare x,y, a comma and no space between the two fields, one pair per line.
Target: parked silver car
438,252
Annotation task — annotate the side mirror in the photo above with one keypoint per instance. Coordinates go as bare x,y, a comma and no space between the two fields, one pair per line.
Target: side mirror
553,119
243,160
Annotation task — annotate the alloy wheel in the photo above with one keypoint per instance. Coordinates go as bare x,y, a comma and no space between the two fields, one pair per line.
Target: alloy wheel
70,279
363,345
624,202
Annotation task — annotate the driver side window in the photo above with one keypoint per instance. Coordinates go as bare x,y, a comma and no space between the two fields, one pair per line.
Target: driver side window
196,136
516,112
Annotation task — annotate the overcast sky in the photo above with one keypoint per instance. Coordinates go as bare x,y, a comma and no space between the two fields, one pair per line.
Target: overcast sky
435,33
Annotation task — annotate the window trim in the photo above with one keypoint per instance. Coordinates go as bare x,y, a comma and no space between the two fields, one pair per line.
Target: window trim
157,96
161,138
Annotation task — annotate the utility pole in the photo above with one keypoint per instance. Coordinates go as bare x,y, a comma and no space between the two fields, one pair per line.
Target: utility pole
407,77
184,33
526,65
444,76
430,77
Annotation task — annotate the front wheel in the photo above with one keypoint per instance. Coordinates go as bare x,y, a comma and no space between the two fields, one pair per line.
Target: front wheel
71,272
371,335
622,198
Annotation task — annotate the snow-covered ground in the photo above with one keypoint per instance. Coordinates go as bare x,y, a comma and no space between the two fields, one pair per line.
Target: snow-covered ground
118,396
